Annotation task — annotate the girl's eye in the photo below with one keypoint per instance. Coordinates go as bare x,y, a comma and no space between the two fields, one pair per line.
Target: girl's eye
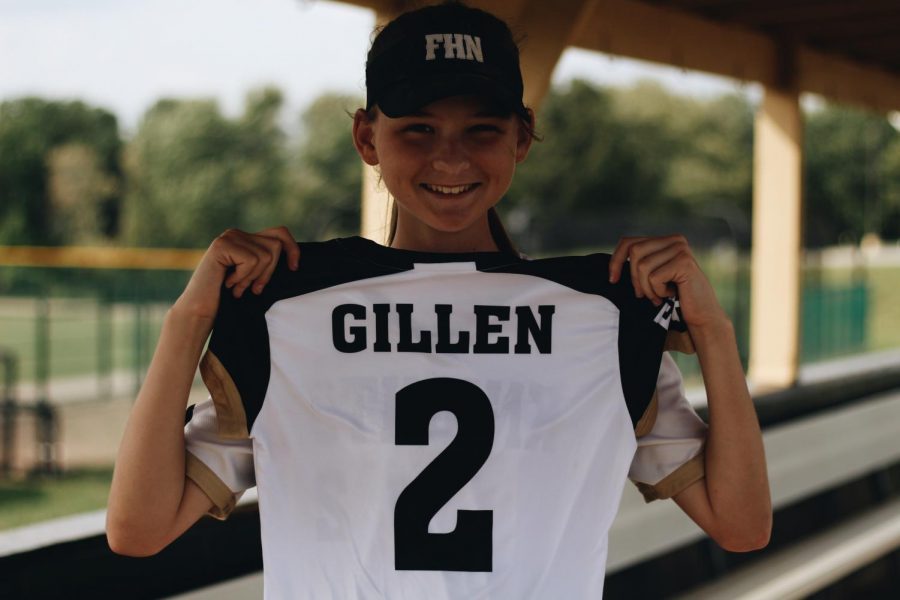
485,127
418,128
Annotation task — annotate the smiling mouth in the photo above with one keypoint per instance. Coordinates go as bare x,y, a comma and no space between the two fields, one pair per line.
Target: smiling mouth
449,190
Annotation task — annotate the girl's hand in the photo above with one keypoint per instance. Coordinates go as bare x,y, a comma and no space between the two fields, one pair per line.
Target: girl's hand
254,256
665,266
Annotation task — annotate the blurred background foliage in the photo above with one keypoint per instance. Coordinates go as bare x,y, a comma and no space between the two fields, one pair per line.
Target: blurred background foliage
612,161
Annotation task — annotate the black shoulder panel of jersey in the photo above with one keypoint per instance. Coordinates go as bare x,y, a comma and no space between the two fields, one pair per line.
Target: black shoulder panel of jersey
641,334
240,338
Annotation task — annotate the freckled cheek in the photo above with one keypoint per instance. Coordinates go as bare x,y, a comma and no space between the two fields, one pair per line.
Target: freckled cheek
502,165
498,155
400,163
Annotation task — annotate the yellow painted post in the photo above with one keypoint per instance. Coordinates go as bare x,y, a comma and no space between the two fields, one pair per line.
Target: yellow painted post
549,28
375,210
777,241
375,207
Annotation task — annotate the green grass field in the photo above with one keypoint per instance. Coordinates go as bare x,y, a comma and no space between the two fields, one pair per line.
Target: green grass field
37,499
87,336
884,324
84,336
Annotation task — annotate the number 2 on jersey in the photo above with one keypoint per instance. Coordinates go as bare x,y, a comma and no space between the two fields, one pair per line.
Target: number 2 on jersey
469,546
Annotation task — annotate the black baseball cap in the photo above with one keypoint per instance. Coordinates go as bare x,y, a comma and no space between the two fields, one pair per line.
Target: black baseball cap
440,51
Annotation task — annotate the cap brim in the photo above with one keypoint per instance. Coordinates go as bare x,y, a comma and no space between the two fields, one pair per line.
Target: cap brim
405,98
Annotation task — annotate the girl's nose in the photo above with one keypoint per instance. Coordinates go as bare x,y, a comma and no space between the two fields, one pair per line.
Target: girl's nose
451,159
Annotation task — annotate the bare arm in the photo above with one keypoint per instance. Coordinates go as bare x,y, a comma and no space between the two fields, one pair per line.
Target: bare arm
149,482
150,501
732,502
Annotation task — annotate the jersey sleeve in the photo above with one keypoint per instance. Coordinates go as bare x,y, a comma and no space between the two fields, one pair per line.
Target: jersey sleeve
222,467
235,369
671,438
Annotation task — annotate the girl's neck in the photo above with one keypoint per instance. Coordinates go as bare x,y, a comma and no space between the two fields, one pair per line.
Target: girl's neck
476,239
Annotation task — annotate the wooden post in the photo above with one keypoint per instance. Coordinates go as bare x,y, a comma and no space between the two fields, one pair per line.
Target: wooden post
375,210
777,241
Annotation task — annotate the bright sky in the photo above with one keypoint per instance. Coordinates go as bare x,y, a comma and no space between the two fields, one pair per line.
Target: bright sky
125,54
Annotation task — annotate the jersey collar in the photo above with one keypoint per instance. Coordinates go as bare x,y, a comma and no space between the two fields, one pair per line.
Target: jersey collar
405,259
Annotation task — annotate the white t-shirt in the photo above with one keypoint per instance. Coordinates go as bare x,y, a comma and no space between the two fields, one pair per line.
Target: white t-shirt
440,426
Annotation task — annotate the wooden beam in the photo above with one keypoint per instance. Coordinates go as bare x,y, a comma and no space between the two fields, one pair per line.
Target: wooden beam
842,30
380,6
846,81
789,13
647,32
777,241
680,39
671,37
548,28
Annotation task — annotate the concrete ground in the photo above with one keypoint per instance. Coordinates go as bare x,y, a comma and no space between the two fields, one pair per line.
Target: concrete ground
90,417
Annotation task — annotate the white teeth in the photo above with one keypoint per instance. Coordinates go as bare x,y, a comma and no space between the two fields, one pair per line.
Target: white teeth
449,189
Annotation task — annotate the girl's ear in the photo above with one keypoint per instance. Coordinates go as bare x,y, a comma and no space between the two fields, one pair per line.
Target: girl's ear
524,138
364,136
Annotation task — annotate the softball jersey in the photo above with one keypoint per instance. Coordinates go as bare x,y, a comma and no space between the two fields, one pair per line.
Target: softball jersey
440,426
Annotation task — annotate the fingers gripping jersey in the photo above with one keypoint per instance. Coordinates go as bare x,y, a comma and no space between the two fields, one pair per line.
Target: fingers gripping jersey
437,425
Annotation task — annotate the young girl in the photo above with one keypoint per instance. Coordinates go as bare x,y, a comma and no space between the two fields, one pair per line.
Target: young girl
440,417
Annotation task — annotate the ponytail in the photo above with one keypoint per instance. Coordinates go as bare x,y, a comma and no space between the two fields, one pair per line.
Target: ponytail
498,232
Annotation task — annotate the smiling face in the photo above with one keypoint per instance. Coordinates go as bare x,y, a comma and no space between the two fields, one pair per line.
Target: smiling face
445,166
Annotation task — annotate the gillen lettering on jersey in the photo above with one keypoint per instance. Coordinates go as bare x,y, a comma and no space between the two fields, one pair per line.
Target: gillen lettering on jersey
498,330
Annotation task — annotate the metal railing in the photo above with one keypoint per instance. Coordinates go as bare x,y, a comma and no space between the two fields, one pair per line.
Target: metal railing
46,423
9,409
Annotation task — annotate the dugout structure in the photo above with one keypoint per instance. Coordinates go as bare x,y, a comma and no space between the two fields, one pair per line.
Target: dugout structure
845,50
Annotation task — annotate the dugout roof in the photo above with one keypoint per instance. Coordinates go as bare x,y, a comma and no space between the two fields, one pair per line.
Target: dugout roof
845,50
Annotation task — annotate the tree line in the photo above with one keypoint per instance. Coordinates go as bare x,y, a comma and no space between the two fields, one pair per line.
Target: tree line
611,161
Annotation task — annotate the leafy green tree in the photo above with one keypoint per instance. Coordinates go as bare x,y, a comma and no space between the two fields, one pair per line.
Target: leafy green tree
610,159
851,167
262,173
30,130
890,173
192,173
587,169
78,190
617,161
587,161
326,172
712,170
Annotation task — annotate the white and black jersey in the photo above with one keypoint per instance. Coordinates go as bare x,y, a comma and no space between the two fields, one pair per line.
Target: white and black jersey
440,426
